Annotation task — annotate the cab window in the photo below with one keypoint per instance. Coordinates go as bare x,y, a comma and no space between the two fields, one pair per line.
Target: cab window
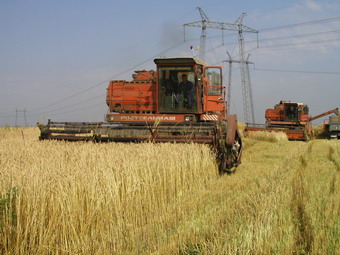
173,97
214,76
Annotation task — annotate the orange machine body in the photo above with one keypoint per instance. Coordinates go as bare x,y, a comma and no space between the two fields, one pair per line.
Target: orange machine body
157,96
291,118
287,113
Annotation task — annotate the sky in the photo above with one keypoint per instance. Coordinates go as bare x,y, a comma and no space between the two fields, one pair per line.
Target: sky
57,57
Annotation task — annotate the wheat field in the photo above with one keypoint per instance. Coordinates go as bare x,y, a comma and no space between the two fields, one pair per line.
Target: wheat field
268,136
86,198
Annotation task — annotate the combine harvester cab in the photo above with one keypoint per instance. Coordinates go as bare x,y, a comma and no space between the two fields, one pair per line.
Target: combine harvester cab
291,118
182,101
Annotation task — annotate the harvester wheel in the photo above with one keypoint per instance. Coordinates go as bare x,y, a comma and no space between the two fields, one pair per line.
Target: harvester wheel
229,156
229,147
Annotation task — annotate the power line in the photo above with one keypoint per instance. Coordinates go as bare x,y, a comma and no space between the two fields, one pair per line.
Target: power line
278,38
238,26
91,87
78,109
299,24
282,27
299,43
172,47
294,71
296,36
71,96
284,44
107,80
68,106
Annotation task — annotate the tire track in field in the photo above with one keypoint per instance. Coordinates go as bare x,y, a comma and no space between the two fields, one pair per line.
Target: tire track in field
330,157
337,166
304,233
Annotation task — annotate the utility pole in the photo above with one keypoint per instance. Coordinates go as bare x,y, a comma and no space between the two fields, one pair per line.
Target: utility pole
240,28
17,112
16,117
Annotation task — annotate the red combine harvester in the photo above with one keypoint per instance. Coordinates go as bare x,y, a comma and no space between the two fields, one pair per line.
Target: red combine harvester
290,118
182,101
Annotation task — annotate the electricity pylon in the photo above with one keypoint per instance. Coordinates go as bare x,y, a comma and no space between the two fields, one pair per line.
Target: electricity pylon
247,75
203,24
17,112
237,26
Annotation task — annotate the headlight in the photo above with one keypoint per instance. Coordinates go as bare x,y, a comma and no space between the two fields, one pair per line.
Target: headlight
189,118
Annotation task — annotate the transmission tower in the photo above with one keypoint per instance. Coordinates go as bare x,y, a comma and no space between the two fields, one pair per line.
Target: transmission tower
246,62
240,28
17,113
203,24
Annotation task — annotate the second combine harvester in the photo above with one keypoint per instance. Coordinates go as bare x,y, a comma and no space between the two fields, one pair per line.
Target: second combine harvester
161,106
291,118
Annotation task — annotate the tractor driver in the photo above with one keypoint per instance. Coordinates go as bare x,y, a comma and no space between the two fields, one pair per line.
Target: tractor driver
188,89
170,84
